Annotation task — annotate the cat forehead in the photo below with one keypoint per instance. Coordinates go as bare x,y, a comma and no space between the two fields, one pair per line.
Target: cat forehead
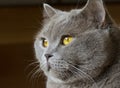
61,24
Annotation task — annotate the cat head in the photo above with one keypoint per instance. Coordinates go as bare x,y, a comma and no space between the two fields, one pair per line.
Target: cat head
72,45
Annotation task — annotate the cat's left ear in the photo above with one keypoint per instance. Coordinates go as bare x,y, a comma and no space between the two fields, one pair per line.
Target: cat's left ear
95,9
49,11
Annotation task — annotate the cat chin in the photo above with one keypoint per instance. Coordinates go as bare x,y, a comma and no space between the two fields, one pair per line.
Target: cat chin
54,79
51,76
60,81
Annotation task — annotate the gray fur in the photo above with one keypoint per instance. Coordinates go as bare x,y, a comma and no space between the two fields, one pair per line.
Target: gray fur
92,59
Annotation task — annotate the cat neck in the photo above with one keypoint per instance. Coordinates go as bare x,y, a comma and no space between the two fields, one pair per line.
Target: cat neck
113,70
57,85
76,84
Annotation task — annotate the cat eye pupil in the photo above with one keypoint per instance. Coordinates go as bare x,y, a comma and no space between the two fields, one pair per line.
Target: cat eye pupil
67,39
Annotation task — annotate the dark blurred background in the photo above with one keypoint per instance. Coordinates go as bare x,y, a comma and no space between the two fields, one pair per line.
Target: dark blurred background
19,22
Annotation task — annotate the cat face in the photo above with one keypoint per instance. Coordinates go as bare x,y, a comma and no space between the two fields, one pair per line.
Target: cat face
70,46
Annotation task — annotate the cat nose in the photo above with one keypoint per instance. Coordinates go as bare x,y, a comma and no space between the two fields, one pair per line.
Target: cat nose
48,56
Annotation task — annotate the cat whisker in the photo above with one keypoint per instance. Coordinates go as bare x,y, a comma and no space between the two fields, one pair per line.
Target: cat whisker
33,60
42,65
64,73
34,78
74,74
36,72
32,71
80,73
34,75
81,66
84,67
67,75
31,64
85,74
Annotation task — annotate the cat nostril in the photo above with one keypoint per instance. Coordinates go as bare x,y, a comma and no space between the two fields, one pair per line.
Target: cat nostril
48,56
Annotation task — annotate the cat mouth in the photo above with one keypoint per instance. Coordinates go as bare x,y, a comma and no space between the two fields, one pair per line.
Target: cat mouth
59,66
58,71
48,66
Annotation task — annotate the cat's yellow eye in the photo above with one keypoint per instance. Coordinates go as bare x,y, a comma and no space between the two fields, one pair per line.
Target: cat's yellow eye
45,43
67,40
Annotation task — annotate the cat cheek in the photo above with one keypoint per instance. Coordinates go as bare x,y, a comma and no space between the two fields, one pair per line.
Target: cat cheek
40,44
37,50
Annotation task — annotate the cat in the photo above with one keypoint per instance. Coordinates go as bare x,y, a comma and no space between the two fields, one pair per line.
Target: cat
79,48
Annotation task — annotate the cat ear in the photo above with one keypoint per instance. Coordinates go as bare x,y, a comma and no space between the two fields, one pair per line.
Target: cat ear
49,11
95,9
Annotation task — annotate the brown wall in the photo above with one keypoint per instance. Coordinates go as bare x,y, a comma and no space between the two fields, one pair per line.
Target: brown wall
18,26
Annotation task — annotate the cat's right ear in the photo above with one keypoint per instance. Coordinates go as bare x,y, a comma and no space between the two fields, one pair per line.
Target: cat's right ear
48,11
95,10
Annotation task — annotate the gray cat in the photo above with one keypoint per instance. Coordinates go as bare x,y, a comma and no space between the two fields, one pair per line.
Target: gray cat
79,48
